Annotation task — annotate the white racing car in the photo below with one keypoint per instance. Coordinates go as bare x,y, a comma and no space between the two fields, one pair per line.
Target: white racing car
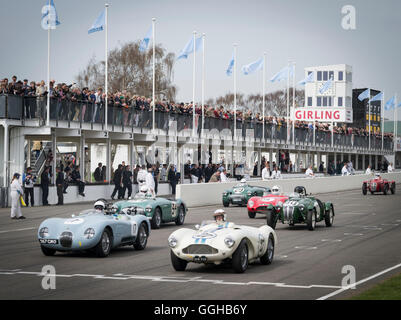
215,242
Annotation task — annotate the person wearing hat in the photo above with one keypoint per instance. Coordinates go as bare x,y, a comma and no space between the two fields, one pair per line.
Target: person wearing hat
219,216
16,192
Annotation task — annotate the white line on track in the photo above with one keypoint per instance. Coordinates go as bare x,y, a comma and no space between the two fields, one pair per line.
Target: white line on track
23,229
358,283
353,234
120,276
331,240
305,248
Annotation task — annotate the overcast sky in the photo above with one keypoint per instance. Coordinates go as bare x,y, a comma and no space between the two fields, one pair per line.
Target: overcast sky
308,32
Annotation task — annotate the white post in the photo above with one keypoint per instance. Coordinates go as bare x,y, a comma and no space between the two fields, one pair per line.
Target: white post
106,69
235,91
288,101
5,155
395,124
193,89
154,72
48,70
293,104
332,134
263,98
203,81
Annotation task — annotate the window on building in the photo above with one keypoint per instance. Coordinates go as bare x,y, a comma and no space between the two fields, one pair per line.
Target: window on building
349,77
331,75
340,101
319,76
325,75
309,101
324,101
340,75
319,101
348,102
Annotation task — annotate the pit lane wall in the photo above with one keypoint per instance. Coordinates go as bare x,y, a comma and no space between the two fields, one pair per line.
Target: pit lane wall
204,194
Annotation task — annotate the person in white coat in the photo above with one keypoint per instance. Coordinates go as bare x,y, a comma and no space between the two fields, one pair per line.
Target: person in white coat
223,176
390,168
369,171
150,182
345,171
276,174
16,192
266,173
309,172
141,177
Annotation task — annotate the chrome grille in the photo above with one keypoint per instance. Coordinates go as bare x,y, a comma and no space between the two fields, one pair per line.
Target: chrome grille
373,187
288,213
66,239
199,249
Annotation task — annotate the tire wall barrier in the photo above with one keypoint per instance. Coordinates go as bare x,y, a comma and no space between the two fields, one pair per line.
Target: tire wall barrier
204,194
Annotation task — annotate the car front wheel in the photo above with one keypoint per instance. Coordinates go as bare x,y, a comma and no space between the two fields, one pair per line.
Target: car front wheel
364,189
392,188
103,248
178,264
271,219
251,214
329,217
141,237
181,216
47,251
311,220
156,219
240,258
267,258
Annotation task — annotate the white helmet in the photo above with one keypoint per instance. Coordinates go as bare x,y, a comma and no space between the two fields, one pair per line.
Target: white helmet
219,212
144,189
243,180
100,205
276,190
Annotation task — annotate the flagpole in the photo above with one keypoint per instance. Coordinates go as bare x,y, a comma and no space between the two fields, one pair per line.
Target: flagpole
369,118
293,105
382,115
288,100
193,88
48,68
263,98
154,79
106,70
235,91
203,81
395,124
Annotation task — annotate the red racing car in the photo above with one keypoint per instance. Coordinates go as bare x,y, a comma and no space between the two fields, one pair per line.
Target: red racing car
378,184
272,201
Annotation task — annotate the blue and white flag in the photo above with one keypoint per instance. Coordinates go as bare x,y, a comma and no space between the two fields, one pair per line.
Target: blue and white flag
252,67
377,97
49,16
229,71
145,42
326,86
364,95
390,104
308,79
99,23
189,48
283,74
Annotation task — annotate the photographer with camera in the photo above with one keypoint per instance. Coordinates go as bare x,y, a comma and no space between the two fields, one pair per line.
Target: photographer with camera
28,181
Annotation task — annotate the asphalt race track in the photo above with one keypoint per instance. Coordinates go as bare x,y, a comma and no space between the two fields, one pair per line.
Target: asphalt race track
307,264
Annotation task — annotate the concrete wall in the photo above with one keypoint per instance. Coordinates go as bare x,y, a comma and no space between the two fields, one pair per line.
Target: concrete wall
92,193
201,194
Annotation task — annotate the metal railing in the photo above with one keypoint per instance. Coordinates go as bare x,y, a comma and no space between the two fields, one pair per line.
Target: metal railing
65,112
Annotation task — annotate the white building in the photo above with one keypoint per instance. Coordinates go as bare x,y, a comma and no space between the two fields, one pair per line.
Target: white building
340,93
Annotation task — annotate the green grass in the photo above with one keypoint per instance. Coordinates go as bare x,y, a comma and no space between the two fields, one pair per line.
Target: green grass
388,290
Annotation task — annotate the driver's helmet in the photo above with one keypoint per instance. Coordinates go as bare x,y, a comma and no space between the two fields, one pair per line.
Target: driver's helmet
143,190
299,190
243,180
219,215
378,175
276,190
100,205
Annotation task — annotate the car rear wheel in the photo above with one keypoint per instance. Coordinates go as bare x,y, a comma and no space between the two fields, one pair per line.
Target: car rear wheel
240,258
364,189
103,248
251,214
329,217
311,219
267,258
178,264
181,216
271,219
156,219
141,238
385,189
47,251
392,188
226,204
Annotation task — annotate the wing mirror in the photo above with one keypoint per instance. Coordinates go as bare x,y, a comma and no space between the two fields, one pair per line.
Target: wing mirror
197,227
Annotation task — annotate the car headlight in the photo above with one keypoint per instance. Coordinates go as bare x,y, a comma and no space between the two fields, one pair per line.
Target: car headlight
249,193
148,209
225,194
44,232
250,203
301,207
172,242
229,242
89,233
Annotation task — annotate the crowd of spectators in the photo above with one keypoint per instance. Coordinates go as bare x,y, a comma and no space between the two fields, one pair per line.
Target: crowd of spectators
123,99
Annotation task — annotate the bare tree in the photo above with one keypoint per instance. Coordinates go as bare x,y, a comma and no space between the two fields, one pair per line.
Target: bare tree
131,70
